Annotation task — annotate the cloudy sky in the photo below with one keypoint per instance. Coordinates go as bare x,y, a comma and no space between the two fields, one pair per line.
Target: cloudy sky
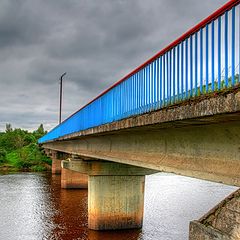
96,42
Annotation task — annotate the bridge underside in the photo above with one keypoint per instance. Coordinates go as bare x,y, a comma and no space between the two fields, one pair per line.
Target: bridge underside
203,147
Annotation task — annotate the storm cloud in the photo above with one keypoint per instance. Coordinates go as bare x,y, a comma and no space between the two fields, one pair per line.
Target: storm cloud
95,42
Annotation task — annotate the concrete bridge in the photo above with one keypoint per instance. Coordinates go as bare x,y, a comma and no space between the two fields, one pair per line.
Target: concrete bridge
178,112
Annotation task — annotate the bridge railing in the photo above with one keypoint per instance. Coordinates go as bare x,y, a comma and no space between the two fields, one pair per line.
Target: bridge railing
203,60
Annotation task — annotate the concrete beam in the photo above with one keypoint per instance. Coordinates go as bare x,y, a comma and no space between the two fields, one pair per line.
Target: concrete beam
209,151
47,152
57,157
100,168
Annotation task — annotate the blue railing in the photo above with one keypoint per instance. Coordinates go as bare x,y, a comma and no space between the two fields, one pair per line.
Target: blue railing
203,60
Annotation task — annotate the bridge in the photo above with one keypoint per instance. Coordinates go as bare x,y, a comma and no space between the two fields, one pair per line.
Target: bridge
178,112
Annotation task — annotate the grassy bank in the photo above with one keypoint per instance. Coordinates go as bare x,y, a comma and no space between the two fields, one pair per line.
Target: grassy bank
19,150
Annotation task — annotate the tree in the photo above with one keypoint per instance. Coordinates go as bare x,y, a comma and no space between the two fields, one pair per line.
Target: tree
3,154
19,149
40,129
8,127
39,132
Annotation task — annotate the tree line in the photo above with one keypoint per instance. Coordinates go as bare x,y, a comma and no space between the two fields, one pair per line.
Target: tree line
19,150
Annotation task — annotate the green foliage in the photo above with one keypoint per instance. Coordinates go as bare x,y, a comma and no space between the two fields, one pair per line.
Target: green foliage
12,158
19,149
38,168
39,132
3,155
8,127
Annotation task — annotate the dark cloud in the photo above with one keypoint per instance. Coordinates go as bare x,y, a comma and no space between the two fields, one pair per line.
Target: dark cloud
95,42
22,23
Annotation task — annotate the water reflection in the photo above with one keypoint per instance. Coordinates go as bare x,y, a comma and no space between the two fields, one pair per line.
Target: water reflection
71,216
116,235
34,207
25,207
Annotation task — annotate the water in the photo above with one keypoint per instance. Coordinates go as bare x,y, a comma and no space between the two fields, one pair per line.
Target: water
34,207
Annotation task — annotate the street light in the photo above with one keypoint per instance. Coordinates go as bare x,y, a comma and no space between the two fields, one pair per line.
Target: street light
60,107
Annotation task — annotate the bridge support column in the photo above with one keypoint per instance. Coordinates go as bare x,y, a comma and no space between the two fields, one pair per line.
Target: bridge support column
115,193
56,166
57,157
73,179
115,202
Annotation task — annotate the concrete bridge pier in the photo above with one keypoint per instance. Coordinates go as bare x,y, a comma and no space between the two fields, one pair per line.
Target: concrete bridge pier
56,163
71,179
57,157
115,193
115,202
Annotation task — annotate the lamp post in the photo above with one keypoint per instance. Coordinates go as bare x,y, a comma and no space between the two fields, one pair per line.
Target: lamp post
60,104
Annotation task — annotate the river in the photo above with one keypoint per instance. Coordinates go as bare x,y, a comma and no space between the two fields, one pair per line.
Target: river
34,207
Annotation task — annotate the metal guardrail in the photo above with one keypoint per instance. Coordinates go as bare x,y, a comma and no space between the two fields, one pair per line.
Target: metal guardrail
203,60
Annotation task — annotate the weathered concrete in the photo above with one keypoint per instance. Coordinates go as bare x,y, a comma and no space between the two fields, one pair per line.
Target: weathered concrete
199,231
69,178
115,193
47,152
115,202
56,166
222,222
57,157
199,138
203,151
100,168
73,179
206,109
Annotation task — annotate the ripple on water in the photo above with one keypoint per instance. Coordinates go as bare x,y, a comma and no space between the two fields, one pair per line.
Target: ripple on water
34,207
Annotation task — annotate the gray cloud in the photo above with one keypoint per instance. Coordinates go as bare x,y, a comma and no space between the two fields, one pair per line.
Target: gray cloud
95,42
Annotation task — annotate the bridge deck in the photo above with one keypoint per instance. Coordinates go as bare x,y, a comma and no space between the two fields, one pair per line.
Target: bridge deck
199,139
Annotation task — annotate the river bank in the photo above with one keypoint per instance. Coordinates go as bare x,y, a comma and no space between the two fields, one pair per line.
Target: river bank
8,168
19,150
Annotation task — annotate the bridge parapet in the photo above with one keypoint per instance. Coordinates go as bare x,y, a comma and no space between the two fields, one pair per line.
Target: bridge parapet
204,60
208,109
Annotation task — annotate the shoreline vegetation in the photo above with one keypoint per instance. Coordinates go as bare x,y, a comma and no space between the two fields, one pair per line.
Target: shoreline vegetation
20,152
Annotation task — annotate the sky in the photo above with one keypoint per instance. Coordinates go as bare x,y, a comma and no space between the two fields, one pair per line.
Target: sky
95,42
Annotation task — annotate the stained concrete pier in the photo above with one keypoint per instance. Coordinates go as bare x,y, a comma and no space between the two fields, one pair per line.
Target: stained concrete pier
115,193
73,179
57,157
